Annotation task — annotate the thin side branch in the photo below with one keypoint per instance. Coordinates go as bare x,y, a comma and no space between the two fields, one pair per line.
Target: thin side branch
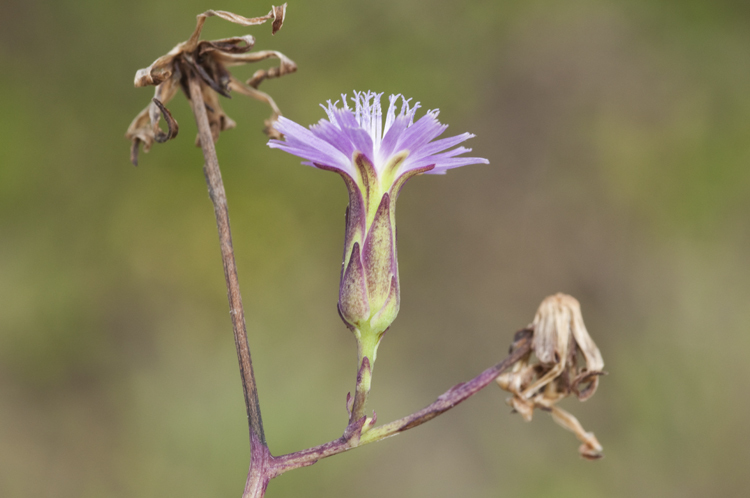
353,436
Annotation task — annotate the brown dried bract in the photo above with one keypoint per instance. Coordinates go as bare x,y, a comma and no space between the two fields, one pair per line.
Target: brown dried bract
207,61
559,334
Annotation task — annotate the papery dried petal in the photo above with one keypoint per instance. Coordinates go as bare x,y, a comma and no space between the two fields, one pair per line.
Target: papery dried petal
594,360
160,70
551,332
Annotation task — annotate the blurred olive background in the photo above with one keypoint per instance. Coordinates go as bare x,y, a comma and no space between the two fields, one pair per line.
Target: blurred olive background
619,139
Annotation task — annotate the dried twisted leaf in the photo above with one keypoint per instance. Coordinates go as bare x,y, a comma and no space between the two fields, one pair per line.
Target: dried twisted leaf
172,127
279,13
276,13
235,45
240,87
145,127
590,449
285,66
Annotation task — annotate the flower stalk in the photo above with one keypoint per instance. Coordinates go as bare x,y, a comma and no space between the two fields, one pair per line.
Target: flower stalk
218,197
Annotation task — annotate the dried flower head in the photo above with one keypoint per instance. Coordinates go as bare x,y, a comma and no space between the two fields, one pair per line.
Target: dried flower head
207,61
559,335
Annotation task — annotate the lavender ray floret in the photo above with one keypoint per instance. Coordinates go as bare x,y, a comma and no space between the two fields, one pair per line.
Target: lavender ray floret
334,136
442,144
427,128
391,137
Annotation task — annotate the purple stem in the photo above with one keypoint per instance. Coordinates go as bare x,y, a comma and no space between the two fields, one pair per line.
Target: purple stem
257,479
353,436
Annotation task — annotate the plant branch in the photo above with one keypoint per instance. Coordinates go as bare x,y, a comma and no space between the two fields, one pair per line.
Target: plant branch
354,436
219,199
263,466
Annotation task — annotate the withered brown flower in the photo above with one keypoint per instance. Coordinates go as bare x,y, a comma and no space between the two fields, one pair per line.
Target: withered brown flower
559,335
207,61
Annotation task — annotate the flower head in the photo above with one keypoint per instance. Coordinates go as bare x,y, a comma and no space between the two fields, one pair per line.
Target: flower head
375,153
206,61
559,335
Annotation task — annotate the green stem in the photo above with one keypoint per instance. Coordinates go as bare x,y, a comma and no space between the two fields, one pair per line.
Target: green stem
367,349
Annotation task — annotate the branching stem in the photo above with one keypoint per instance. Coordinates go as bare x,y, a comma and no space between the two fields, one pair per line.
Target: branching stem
264,466
354,436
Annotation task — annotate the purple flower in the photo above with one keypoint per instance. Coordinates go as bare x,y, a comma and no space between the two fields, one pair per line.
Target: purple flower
331,143
375,155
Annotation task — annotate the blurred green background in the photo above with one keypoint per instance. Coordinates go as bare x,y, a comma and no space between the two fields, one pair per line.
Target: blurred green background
619,137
